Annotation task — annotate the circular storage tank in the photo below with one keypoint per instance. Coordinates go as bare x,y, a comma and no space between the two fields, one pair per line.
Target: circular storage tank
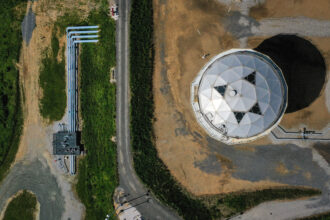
239,95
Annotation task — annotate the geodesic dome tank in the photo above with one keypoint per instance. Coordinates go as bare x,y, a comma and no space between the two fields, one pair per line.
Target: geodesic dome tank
239,95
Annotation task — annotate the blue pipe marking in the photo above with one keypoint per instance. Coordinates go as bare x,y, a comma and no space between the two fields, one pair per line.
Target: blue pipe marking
84,36
81,27
85,41
71,69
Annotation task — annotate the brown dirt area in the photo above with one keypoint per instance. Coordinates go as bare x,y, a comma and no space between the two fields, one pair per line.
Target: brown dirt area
316,116
292,8
184,31
46,14
35,141
188,30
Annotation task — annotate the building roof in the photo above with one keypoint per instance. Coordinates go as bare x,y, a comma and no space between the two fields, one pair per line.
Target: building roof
65,143
240,94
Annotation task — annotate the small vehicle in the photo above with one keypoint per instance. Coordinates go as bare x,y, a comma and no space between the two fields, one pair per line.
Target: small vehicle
114,12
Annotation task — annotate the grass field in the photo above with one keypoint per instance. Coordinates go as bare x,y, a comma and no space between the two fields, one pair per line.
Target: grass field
21,207
52,72
11,120
97,173
52,82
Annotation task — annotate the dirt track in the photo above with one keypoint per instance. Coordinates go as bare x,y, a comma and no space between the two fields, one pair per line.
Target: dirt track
180,140
34,168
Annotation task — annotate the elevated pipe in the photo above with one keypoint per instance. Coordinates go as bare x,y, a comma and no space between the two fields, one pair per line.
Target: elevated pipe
81,27
73,37
82,32
85,41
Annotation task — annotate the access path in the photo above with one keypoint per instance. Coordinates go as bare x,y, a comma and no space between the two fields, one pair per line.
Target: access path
148,206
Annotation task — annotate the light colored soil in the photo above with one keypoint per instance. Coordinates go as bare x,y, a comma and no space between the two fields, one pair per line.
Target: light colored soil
37,212
46,13
317,115
186,31
292,8
191,29
37,133
29,75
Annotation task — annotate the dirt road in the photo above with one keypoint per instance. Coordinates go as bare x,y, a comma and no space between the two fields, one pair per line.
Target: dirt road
34,168
201,165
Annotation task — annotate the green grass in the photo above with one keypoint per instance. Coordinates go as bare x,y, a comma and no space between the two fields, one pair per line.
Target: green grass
148,166
71,18
21,207
151,170
52,82
52,71
11,119
97,173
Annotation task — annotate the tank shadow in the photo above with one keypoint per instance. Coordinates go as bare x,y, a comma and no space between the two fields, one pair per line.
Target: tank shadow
303,67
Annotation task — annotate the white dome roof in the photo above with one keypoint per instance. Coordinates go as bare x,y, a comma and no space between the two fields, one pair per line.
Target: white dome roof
240,94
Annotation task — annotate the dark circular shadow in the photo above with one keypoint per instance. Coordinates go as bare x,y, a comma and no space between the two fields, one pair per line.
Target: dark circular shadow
302,65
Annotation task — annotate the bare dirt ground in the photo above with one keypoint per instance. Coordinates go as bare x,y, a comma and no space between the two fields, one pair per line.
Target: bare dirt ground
37,212
292,8
34,168
184,31
180,140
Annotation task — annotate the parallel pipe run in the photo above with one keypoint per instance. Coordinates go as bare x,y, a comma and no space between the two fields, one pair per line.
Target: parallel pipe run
82,32
81,27
83,36
299,138
73,38
85,41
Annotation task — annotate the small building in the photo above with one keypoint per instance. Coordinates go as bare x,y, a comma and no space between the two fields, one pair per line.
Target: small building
65,143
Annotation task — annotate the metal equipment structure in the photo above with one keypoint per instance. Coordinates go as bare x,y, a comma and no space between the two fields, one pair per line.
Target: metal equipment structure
74,36
65,143
304,134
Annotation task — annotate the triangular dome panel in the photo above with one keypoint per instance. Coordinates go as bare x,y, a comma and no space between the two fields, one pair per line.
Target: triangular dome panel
242,91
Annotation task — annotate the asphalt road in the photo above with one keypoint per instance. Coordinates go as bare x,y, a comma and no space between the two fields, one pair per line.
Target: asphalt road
28,25
36,177
128,180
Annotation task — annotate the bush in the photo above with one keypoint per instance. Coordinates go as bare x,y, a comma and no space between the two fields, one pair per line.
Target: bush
11,120
21,207
52,82
98,177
